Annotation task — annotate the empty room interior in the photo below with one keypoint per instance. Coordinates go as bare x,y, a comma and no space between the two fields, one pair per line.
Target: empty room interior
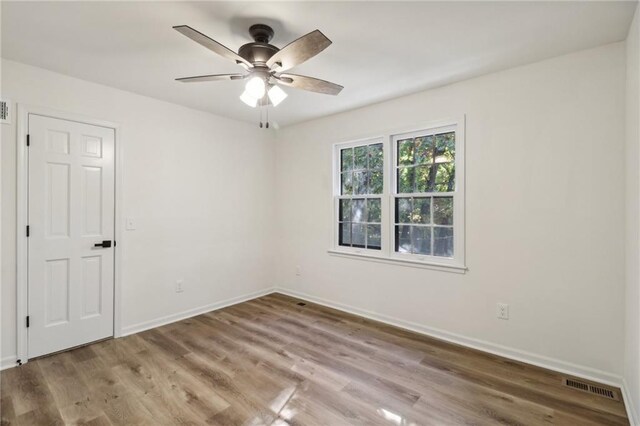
320,213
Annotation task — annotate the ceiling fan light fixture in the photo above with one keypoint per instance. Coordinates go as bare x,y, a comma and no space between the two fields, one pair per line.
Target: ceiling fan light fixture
248,99
264,64
276,95
255,87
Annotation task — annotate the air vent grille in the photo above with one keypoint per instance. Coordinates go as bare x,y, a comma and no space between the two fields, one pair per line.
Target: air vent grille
594,389
578,385
5,111
301,304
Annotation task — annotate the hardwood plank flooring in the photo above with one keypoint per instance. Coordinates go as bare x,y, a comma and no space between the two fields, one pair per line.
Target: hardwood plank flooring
270,361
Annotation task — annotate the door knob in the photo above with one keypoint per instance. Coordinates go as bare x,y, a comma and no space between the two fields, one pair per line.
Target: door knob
105,244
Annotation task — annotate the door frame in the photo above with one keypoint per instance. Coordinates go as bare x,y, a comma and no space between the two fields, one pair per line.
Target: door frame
22,199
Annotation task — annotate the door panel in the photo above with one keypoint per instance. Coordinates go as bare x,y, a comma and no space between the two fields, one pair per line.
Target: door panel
91,201
92,286
56,292
71,208
57,195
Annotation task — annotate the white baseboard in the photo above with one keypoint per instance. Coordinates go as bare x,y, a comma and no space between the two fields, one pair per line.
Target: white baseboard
500,350
630,405
146,325
7,362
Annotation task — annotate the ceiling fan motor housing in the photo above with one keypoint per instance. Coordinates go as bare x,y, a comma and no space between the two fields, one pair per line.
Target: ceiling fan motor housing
257,53
260,50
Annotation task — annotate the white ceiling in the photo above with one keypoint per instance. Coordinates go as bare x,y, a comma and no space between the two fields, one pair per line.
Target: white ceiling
380,50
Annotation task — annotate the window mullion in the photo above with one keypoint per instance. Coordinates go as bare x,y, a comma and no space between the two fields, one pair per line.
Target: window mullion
433,232
387,193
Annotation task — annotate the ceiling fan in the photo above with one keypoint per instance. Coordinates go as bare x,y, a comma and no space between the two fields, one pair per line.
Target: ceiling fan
265,64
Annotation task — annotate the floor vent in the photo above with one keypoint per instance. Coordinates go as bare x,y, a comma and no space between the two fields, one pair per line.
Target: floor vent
301,304
594,389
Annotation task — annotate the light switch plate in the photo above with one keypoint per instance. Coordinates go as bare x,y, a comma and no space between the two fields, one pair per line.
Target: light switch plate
131,224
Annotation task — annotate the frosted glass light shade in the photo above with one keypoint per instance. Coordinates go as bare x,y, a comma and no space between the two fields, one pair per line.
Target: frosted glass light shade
255,87
276,95
248,99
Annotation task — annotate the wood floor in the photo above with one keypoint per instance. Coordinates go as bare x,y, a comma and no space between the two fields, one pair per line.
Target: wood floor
271,361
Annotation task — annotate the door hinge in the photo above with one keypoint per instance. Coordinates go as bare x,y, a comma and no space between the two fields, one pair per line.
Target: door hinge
28,140
27,321
114,243
27,230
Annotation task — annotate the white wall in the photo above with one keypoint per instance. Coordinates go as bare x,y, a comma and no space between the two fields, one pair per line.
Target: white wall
632,297
544,217
198,185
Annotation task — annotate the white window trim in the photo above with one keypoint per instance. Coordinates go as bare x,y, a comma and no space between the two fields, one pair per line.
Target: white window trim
387,254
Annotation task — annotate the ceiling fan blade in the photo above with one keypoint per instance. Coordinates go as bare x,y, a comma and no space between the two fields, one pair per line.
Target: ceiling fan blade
309,83
211,44
212,77
300,50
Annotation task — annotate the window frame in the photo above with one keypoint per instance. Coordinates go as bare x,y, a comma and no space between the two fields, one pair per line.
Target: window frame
387,253
337,196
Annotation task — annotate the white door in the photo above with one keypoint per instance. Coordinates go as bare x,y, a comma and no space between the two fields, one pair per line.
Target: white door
71,209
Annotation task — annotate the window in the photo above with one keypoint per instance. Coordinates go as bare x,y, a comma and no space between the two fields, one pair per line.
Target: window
401,197
425,185
361,183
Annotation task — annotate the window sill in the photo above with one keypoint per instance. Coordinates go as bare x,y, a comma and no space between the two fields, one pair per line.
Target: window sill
457,269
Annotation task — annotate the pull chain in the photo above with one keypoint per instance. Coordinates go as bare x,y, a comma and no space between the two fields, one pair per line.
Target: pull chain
264,111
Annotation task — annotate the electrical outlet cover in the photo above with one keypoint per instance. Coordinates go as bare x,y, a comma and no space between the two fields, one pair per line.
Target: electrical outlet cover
503,311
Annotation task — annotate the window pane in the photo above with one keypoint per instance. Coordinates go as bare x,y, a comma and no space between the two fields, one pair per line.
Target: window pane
373,210
403,238
405,180
443,210
358,210
373,237
421,239
445,180
375,156
375,182
424,150
346,184
405,152
344,237
360,157
424,179
445,147
345,210
360,182
443,242
358,232
403,210
361,173
346,159
421,210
